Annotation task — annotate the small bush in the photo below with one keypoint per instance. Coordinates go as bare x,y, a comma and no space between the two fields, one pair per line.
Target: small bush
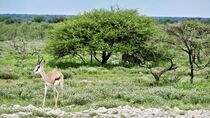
82,99
185,86
71,83
144,99
153,99
169,93
9,93
195,97
118,69
110,103
67,73
175,103
28,93
8,73
163,92
89,70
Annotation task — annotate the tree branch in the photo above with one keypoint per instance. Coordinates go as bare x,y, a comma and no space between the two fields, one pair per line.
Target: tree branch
94,55
172,43
158,75
201,67
80,57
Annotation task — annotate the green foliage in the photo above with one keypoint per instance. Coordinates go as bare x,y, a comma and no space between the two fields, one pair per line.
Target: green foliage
110,103
39,19
12,21
29,31
101,30
3,18
108,88
116,31
57,19
67,73
82,99
191,37
23,31
8,32
8,73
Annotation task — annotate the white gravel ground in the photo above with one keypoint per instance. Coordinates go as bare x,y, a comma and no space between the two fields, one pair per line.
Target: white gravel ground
119,112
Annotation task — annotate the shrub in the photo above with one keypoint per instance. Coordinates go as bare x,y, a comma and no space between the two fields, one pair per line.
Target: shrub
82,99
196,97
119,69
39,19
144,99
110,103
9,93
27,93
67,73
176,103
169,93
8,73
153,99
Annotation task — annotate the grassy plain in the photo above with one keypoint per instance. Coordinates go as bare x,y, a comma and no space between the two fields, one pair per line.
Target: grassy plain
108,86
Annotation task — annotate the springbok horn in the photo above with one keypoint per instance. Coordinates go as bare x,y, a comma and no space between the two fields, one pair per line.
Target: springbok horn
39,61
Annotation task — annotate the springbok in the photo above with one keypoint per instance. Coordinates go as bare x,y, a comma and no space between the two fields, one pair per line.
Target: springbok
51,79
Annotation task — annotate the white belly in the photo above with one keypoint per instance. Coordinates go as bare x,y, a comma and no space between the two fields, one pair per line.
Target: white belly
56,82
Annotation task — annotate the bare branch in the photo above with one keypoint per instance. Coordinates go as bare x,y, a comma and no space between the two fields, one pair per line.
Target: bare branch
94,55
201,67
158,75
176,46
81,57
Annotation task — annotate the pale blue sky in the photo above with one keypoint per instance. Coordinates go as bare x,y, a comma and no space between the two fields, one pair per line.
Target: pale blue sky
186,8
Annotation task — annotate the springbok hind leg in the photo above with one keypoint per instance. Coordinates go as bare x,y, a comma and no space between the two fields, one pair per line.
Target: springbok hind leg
62,90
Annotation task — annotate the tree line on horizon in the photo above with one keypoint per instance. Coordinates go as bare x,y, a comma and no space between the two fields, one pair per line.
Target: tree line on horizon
12,18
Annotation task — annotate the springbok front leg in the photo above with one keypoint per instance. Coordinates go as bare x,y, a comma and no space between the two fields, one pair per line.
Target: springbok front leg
45,93
55,92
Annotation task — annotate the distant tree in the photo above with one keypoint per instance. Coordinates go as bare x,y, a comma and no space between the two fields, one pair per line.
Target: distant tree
57,19
208,21
191,37
104,31
3,18
168,21
8,31
34,31
39,19
12,21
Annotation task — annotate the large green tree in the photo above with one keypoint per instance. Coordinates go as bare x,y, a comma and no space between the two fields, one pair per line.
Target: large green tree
101,32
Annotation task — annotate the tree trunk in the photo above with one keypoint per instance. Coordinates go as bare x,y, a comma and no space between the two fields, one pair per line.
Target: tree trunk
105,57
198,57
91,57
191,67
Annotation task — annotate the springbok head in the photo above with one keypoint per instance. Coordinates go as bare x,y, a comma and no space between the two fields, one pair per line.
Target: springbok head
39,65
